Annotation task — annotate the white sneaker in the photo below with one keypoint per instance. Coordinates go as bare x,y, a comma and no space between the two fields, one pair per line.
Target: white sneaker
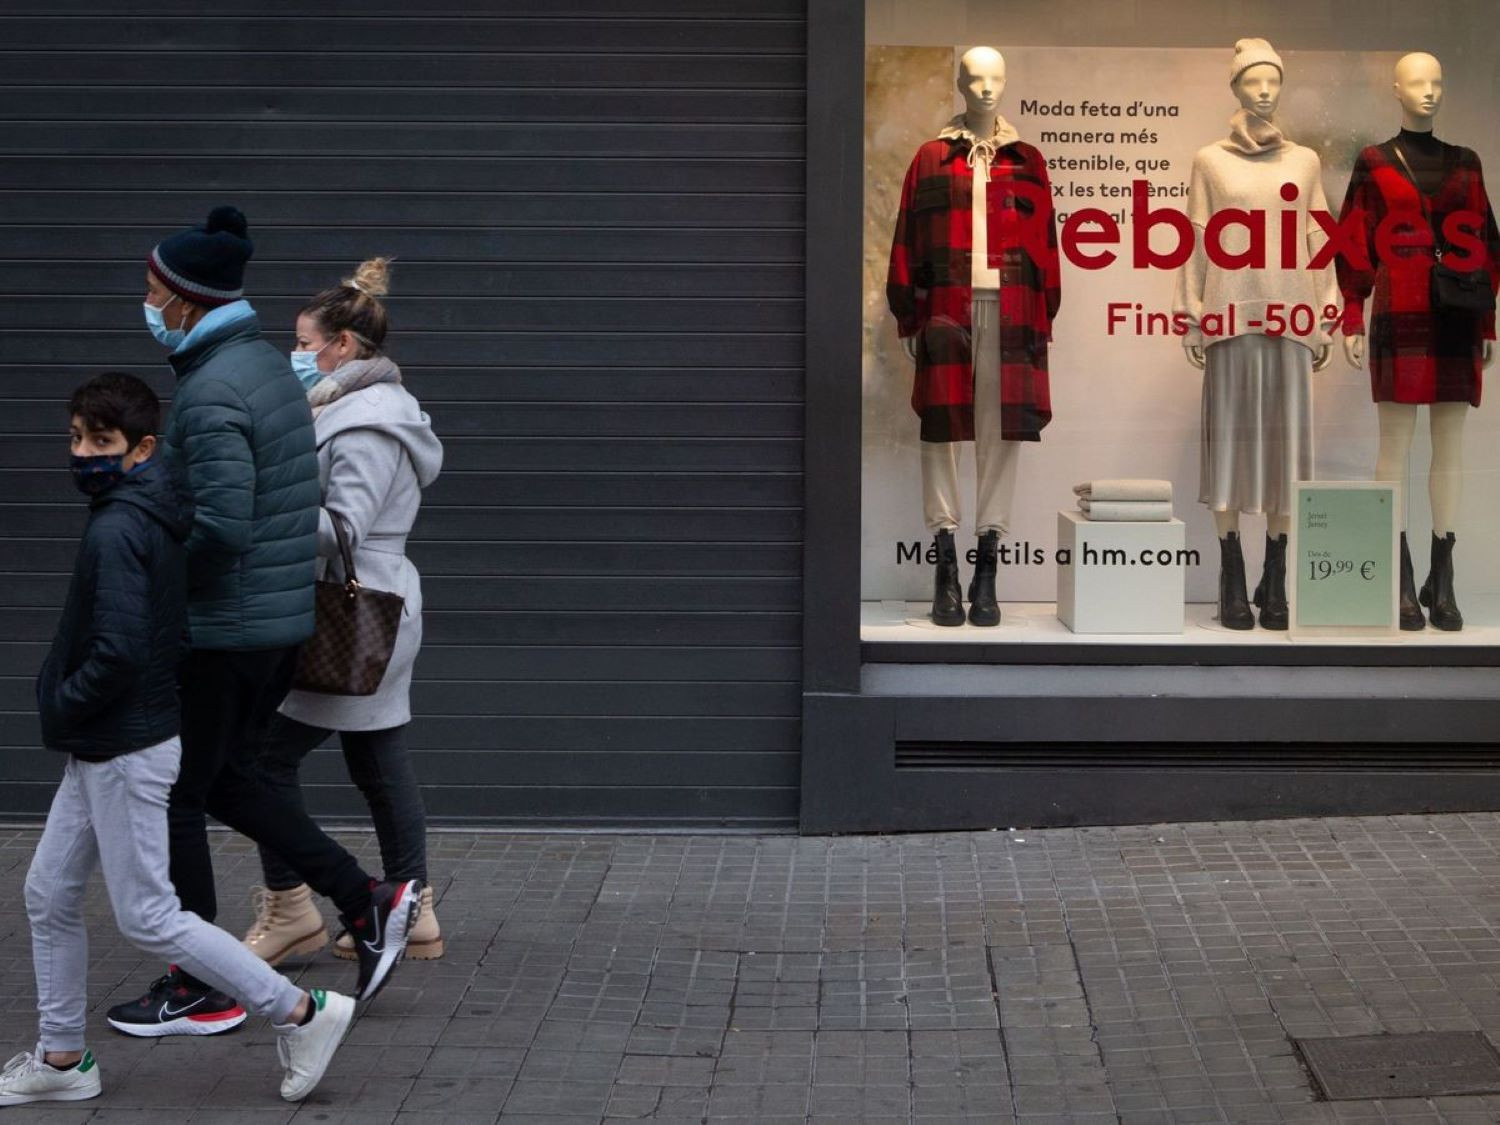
307,1050
26,1078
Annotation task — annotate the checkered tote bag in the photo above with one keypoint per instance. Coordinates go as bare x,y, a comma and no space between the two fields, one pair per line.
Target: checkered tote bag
354,634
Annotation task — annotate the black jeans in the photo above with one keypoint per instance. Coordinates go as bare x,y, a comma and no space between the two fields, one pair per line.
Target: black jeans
228,697
380,764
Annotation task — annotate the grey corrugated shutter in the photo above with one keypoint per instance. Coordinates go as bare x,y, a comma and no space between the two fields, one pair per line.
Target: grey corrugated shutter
598,220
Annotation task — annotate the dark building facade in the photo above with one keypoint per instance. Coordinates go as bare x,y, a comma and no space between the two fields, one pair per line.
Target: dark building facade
629,237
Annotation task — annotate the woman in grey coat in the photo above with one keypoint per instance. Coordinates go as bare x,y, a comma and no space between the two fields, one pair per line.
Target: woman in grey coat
376,452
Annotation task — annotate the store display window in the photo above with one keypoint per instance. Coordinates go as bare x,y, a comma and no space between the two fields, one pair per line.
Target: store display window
1175,345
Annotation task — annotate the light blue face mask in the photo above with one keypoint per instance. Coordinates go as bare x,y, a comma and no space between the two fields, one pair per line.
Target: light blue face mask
305,367
166,337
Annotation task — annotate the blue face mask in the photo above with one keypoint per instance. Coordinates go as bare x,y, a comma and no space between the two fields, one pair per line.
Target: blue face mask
93,475
166,337
305,367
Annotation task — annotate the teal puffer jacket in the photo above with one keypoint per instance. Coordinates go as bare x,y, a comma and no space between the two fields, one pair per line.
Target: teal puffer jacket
240,434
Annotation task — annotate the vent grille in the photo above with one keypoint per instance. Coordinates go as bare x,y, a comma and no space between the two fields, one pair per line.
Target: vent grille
1199,755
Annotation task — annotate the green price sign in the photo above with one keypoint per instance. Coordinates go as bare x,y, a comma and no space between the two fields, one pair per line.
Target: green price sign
1342,558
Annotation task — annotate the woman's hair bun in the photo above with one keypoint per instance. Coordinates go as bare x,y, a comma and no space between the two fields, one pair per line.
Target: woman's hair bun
230,219
372,277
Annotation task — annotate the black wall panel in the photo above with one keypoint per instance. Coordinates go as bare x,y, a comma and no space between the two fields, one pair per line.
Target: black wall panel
599,220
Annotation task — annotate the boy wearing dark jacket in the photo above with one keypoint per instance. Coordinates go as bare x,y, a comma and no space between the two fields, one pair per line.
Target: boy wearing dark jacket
107,696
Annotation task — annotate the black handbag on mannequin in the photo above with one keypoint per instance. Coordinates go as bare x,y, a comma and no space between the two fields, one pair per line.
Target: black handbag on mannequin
354,634
1453,290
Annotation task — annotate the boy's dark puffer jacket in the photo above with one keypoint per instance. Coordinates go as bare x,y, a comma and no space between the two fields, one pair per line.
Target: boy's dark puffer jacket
109,684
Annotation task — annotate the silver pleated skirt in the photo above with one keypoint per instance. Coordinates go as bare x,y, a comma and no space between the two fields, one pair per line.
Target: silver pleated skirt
1257,424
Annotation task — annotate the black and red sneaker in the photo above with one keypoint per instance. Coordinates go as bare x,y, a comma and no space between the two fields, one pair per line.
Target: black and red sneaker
177,1005
380,932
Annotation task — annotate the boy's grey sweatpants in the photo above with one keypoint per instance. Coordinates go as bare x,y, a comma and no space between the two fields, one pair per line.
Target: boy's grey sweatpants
113,814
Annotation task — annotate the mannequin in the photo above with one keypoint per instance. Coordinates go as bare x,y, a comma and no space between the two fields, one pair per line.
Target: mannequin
1257,388
1418,354
974,310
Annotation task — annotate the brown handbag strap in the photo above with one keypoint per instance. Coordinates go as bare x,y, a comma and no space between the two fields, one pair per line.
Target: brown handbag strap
346,556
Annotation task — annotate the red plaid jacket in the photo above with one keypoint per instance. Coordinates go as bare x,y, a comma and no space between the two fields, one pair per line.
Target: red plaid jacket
1415,354
928,286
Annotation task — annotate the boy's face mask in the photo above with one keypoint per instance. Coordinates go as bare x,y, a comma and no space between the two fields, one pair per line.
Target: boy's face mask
98,473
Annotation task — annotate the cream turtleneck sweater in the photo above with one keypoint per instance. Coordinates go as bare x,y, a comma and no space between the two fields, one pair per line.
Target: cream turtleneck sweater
1246,170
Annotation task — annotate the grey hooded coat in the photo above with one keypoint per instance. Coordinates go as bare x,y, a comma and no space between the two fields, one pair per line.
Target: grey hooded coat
376,452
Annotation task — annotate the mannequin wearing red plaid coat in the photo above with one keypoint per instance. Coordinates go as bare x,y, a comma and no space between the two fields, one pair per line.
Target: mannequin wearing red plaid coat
1417,354
929,289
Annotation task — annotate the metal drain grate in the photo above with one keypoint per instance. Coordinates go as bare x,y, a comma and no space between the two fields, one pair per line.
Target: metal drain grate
1424,1065
1192,755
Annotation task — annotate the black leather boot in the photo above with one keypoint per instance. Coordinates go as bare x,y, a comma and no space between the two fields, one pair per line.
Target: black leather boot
1270,595
1234,606
983,608
947,595
1411,609
1437,592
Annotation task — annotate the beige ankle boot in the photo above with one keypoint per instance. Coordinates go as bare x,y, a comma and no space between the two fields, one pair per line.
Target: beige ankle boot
287,924
425,943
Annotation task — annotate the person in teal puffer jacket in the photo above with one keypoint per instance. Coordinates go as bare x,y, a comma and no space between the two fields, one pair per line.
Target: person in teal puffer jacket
239,437
241,429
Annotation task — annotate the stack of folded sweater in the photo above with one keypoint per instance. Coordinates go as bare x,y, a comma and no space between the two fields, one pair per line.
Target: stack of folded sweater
1125,501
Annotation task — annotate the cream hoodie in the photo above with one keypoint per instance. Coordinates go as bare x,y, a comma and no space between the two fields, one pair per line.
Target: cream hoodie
981,156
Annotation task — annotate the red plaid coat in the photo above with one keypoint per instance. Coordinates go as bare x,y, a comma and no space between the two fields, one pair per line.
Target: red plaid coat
928,286
1415,354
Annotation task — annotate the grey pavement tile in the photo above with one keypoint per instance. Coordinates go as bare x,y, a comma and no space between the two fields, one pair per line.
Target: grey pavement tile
474,1062
458,1095
967,1100
548,1097
59,1113
760,1103
567,1035
569,1067
760,1070
694,1042
654,1103
854,1103
641,1070
358,1094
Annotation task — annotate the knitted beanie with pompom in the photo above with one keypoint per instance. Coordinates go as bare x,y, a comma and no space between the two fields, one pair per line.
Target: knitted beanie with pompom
206,265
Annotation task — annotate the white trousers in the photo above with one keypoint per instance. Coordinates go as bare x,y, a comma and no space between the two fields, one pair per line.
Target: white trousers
113,815
996,461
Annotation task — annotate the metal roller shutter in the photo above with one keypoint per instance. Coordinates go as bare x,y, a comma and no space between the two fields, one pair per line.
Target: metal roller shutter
598,216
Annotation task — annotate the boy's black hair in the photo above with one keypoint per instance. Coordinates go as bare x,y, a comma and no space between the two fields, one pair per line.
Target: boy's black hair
117,401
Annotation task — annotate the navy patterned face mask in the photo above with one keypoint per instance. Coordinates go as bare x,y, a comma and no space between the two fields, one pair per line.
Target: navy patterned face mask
97,474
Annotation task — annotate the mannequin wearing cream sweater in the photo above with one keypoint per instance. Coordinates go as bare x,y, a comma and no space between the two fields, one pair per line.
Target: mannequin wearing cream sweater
1257,397
1249,171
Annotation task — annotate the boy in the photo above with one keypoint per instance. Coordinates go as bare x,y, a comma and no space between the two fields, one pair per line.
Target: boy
107,696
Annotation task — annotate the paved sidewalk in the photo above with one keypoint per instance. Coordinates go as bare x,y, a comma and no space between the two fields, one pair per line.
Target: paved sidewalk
1133,974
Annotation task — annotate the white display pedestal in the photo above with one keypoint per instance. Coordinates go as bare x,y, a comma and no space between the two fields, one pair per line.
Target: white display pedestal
1120,577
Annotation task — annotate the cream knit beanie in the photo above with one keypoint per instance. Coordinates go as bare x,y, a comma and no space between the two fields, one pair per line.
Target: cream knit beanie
1252,52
